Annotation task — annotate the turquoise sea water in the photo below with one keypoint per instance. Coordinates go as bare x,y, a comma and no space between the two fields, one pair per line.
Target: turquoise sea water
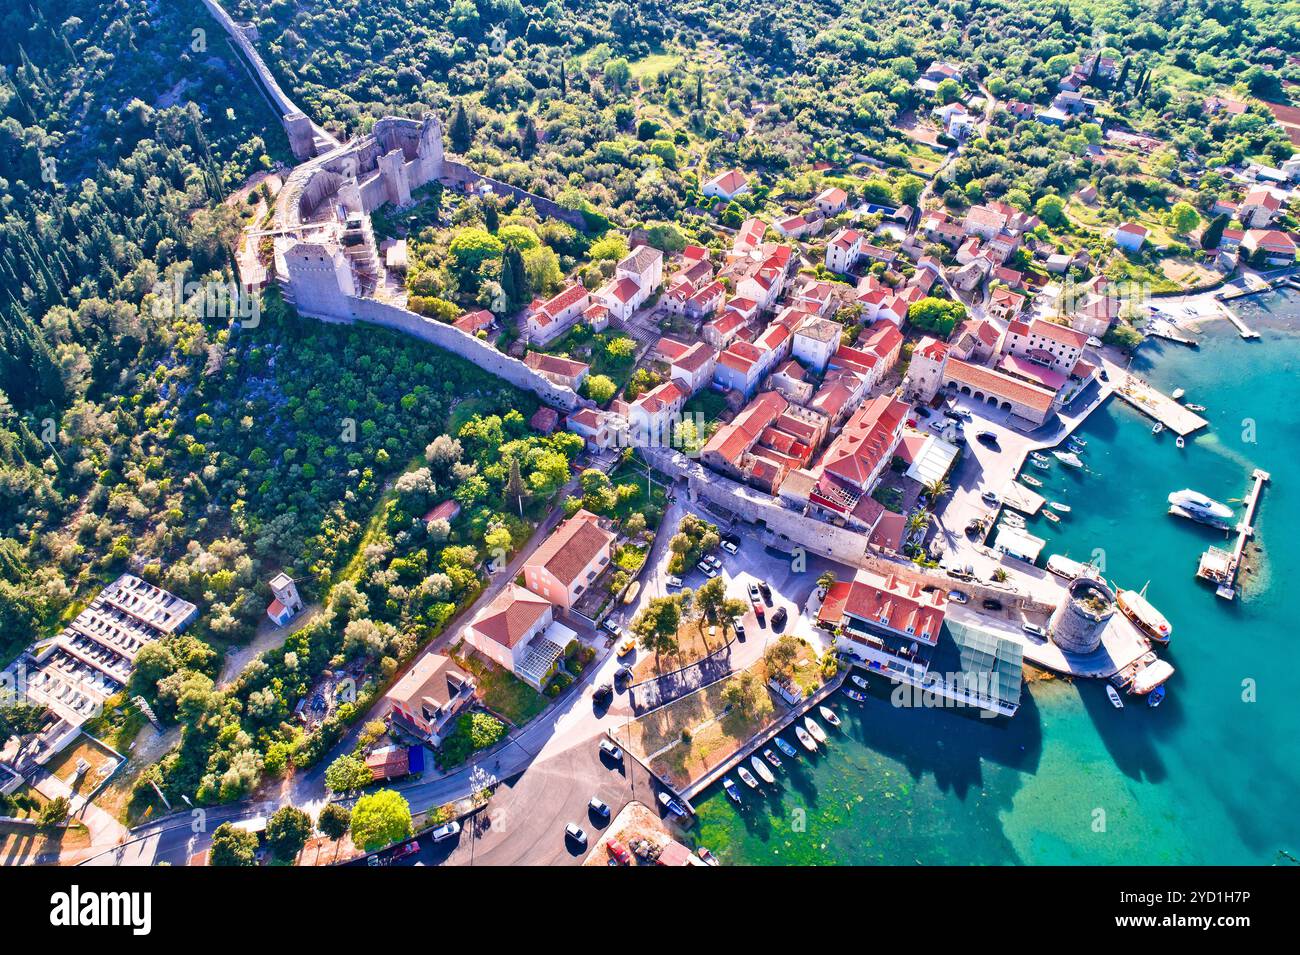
1211,777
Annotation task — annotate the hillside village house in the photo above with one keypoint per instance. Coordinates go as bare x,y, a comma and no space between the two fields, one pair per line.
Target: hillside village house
514,631
925,370
599,429
884,620
843,250
832,201
637,276
1055,346
562,371
1260,207
569,560
1270,245
474,322
549,320
1131,237
651,416
851,465
429,696
815,341
767,440
726,185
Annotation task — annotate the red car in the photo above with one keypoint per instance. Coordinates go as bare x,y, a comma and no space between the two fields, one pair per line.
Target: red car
758,611
410,849
619,852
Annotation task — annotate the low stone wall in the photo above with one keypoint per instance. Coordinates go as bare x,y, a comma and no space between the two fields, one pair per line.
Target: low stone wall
472,349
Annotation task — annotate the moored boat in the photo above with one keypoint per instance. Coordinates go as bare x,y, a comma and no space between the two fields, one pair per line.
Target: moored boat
1036,456
1074,439
1151,677
1058,506
1114,696
1156,696
772,758
1051,517
805,740
854,695
760,767
1181,442
1178,393
785,747
860,681
1199,507
732,792
1068,458
815,729
746,777
1031,480
1157,427
829,716
1197,408
1063,566
707,857
1042,465
1135,606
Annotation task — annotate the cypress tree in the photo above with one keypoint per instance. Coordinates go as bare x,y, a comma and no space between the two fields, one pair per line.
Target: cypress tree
462,132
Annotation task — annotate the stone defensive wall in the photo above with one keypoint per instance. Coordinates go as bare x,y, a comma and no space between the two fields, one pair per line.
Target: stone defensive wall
458,174
472,349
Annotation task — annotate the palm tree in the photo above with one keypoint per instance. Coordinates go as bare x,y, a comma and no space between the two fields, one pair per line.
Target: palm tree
917,522
937,489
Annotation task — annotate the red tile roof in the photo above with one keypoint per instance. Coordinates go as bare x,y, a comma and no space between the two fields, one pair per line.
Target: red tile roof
572,547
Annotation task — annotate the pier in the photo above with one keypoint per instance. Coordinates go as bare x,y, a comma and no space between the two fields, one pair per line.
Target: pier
1242,328
1170,333
1212,566
1152,403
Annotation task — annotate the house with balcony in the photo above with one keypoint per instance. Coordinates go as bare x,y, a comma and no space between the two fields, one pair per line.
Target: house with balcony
429,696
888,623
518,632
570,560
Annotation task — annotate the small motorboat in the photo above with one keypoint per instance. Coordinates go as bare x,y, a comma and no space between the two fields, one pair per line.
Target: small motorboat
1156,696
707,857
1037,457
1058,506
1114,696
1178,393
1031,480
829,716
1157,427
760,767
1043,465
733,793
1068,458
1196,408
1180,443
772,758
860,681
1012,519
805,740
815,729
1051,517
746,777
1076,440
785,747
854,695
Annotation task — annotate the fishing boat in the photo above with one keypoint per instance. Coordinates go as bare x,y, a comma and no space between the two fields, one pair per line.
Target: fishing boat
1011,519
732,792
707,857
760,767
1114,696
1134,605
815,729
854,695
1156,696
860,681
772,758
829,716
1037,457
1196,408
1178,393
1151,677
1058,506
1198,507
785,747
1181,443
1043,465
805,740
1157,427
1065,567
1031,480
1075,439
1051,517
1068,458
746,777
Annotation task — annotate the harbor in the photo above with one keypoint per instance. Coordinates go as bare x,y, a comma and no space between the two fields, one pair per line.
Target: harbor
1152,402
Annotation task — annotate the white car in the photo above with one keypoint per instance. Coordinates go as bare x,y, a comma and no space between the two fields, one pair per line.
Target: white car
957,597
1094,342
730,548
1034,629
706,570
610,750
612,626
443,833
674,583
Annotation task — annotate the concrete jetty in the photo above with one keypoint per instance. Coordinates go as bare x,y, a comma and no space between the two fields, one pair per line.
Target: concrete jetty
1243,329
1153,403
1227,577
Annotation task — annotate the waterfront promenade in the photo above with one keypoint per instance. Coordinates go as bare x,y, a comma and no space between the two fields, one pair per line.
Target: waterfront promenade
1151,402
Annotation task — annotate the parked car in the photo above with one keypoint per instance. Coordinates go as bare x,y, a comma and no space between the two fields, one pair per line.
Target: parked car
729,547
765,590
713,561
611,626
754,594
706,570
607,748
987,437
443,833
626,647
408,849
759,612
1035,629
673,583
988,497
779,618
603,693
957,597
740,630
991,604
954,415
1094,341
672,805
922,411
619,852
599,807
623,673
576,834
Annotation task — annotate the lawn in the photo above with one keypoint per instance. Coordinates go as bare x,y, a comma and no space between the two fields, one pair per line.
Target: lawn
500,690
653,65
707,403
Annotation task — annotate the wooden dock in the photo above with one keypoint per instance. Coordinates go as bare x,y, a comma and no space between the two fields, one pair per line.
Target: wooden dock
1227,588
1170,333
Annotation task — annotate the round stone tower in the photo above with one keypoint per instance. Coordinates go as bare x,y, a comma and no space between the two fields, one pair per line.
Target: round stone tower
1078,622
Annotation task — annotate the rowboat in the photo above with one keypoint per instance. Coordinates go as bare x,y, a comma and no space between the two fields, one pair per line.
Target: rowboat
785,747
707,857
805,740
860,681
732,792
815,729
1042,465
829,715
854,695
1156,697
1180,443
760,767
1012,519
1056,506
1114,697
1037,457
1031,480
1051,517
746,777
772,758
1157,427
1197,408
1079,441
